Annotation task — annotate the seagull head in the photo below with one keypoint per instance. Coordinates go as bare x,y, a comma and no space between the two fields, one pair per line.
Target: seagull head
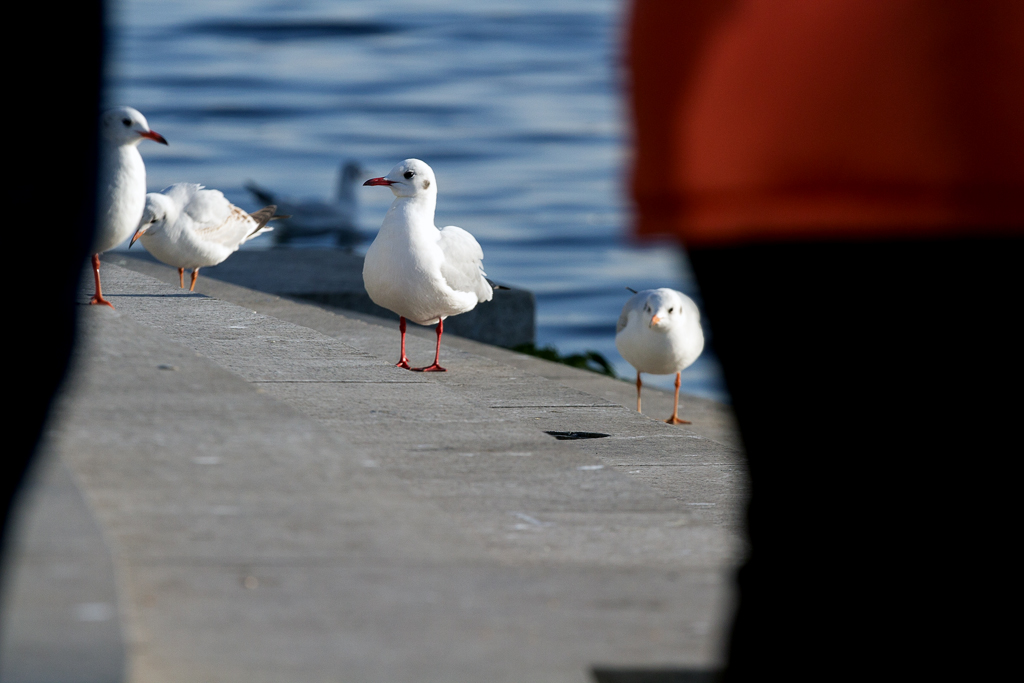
160,209
664,308
126,126
350,171
411,178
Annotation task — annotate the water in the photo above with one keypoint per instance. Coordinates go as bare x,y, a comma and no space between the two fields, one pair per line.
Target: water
517,106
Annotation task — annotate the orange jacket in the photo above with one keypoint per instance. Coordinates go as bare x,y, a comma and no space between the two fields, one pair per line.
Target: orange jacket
768,120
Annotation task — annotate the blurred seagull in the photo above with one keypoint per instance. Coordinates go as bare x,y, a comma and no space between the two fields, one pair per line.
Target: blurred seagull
414,269
186,226
311,217
122,183
659,332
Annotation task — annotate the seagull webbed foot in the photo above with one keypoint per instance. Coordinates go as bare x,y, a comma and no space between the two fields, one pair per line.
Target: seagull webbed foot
98,299
430,368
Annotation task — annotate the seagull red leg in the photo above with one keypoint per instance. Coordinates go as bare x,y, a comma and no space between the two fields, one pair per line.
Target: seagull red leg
404,362
181,278
97,298
674,420
435,367
195,274
638,385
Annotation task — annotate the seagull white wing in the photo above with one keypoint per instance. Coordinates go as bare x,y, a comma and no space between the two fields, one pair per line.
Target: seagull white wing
217,220
208,207
181,193
462,268
634,302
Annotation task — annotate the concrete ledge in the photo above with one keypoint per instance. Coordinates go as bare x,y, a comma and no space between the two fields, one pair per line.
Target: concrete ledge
711,419
282,503
59,618
335,278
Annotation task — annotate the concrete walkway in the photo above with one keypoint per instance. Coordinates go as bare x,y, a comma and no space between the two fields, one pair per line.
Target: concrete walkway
282,504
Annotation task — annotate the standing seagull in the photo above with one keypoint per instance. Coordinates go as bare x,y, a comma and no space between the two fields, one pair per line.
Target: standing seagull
312,217
414,269
186,226
122,183
659,332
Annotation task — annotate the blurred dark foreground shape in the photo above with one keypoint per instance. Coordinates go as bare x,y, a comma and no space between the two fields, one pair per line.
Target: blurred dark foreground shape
848,179
53,179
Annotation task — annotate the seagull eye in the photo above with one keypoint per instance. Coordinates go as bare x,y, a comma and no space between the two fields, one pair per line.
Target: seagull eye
408,174
126,122
670,310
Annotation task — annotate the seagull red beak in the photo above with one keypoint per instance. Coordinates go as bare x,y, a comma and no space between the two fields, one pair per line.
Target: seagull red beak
154,136
137,235
378,181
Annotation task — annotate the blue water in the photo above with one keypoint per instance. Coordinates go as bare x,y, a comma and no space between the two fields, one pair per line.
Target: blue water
517,106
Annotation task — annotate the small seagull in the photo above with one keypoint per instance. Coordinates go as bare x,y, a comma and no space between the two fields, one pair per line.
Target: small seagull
187,226
312,217
122,183
414,269
659,332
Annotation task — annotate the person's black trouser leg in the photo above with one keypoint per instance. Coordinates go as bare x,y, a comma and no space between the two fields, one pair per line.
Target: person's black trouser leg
874,385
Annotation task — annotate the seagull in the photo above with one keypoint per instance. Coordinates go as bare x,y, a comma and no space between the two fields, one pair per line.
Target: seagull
122,183
414,269
311,217
187,226
659,332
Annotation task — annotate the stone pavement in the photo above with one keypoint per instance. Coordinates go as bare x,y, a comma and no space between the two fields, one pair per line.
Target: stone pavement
280,503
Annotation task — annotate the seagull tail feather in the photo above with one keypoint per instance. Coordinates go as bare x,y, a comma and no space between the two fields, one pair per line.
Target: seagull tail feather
262,217
495,285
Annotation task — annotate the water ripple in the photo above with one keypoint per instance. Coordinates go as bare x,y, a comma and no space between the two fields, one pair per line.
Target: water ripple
290,30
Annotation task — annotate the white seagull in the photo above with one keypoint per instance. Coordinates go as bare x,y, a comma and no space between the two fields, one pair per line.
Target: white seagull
414,269
659,332
186,226
122,183
311,217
